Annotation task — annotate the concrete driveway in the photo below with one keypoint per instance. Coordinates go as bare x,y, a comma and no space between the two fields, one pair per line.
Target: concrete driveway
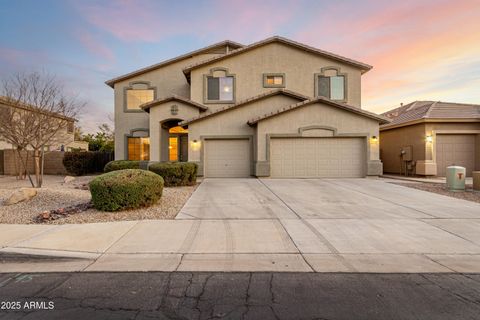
344,224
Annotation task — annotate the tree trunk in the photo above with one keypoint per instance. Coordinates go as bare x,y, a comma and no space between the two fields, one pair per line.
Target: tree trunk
36,156
42,166
25,166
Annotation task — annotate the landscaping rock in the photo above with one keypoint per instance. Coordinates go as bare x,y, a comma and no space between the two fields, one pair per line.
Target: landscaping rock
68,179
23,194
63,212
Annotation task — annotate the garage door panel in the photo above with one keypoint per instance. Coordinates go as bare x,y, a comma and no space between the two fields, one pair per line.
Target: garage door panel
317,157
227,158
455,149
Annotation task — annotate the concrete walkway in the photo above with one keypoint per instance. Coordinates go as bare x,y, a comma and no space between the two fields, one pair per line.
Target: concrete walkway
309,225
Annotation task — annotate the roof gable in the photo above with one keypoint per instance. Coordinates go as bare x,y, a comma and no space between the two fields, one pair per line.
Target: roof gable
363,66
326,101
424,110
146,106
226,43
265,95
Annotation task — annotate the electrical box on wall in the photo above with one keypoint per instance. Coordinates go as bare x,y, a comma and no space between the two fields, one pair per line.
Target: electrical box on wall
406,153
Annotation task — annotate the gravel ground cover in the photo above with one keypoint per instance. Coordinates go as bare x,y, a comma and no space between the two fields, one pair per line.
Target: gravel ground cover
440,188
57,194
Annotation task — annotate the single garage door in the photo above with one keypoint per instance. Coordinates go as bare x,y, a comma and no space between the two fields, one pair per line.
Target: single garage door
317,157
227,158
455,149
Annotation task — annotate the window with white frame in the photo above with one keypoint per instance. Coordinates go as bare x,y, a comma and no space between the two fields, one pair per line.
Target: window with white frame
138,94
331,87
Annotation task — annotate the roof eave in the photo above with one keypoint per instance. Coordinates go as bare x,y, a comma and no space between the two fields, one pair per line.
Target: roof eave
111,82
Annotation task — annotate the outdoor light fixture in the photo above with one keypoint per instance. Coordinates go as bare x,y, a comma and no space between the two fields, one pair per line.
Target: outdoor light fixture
194,141
429,139
374,138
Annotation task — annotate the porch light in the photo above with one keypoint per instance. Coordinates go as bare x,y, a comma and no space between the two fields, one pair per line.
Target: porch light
374,139
429,138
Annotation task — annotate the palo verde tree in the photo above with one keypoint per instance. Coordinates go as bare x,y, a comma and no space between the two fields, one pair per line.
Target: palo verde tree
35,114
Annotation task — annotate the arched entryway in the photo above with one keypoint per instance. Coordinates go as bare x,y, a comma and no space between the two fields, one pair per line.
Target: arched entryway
174,146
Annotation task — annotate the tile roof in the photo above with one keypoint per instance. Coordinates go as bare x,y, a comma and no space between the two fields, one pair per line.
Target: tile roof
146,106
246,101
365,67
230,43
329,102
419,110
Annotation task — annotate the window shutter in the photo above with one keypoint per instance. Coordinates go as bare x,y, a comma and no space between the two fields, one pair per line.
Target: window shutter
213,88
324,87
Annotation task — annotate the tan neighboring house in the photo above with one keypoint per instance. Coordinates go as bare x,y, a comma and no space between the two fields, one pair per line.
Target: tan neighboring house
432,135
274,108
63,138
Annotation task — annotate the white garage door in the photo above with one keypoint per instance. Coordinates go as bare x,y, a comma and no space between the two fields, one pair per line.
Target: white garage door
227,158
317,157
455,149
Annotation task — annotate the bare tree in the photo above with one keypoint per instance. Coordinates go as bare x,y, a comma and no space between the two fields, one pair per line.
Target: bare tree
39,112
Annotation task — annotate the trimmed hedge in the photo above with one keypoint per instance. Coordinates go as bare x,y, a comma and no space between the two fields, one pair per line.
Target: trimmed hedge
85,162
176,173
126,189
121,165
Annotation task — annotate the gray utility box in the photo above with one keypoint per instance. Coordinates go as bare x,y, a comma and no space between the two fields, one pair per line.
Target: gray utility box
456,178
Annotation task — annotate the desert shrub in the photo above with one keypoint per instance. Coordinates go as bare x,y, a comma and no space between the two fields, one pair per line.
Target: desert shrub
176,173
85,162
121,165
126,189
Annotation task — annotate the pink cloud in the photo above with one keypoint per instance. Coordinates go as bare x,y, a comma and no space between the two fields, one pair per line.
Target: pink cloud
95,46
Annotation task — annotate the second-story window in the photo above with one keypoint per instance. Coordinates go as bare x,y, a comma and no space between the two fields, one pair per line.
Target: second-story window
331,87
273,80
138,94
219,88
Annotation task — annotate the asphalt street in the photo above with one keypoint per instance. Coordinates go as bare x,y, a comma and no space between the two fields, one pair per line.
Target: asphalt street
157,295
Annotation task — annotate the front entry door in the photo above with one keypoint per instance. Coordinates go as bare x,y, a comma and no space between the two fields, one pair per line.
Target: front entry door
183,148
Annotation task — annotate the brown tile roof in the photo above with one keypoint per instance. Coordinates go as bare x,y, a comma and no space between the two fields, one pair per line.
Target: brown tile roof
419,110
230,43
265,95
363,66
6,101
329,102
146,106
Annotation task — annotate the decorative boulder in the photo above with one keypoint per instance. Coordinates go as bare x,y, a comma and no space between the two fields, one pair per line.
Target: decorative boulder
23,194
68,179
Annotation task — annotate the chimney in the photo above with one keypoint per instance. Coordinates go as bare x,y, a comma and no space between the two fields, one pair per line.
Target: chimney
401,104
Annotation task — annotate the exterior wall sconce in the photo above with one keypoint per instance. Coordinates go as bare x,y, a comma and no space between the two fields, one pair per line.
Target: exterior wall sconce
429,138
195,145
374,138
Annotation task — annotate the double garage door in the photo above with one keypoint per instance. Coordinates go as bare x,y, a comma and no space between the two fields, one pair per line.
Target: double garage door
455,149
317,157
289,158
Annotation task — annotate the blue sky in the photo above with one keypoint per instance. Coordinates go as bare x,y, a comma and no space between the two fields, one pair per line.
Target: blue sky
428,49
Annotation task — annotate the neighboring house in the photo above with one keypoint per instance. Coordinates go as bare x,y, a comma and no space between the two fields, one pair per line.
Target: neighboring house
274,108
433,135
63,138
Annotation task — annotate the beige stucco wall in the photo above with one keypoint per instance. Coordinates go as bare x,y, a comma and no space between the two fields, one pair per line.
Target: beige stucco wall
298,66
319,115
391,142
232,123
168,80
159,136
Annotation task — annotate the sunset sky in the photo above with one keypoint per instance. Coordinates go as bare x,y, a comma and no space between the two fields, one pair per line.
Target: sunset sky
420,50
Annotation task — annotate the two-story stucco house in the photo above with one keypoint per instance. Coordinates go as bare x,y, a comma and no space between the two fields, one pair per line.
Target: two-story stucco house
275,108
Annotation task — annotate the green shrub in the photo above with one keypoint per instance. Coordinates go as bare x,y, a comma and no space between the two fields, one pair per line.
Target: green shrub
121,165
176,173
125,189
85,162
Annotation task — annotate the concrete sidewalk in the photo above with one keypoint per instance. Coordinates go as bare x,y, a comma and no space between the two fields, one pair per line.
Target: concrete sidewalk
356,225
